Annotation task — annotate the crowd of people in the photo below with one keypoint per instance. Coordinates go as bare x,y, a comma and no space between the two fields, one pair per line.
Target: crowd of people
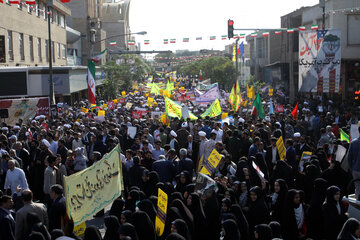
274,200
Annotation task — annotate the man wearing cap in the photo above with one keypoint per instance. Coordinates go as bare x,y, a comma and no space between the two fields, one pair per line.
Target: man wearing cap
182,135
173,142
203,140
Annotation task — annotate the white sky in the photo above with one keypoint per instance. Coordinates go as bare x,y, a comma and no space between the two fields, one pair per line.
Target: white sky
166,19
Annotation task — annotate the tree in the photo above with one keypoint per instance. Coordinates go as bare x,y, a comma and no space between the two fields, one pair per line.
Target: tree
119,76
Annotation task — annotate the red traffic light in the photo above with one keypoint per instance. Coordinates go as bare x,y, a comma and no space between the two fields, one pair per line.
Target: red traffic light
230,22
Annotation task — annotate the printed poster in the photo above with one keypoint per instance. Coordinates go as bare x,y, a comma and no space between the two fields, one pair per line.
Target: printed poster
319,61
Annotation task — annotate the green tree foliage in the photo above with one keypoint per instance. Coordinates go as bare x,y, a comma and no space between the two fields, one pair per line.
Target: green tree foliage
119,77
218,69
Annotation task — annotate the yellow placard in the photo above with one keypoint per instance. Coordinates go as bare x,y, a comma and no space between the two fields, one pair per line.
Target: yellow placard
166,93
84,110
161,214
150,100
211,163
79,230
271,92
182,89
224,115
115,101
104,106
123,93
92,189
281,148
101,113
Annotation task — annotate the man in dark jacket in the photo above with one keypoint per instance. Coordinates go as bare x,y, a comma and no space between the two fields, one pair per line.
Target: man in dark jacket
192,149
272,155
57,209
235,146
136,172
185,163
165,168
7,222
291,155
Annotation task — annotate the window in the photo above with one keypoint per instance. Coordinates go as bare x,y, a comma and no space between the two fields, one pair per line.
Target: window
2,49
20,5
47,50
44,12
51,16
58,50
53,51
63,50
39,49
10,46
62,20
37,10
31,48
56,17
353,22
21,46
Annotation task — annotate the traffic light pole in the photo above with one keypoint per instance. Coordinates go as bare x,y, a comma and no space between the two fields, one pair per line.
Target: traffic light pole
236,61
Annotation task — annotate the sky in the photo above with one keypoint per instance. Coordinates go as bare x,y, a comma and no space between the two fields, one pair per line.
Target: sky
167,19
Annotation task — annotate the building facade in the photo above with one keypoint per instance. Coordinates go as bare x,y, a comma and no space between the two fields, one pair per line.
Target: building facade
24,34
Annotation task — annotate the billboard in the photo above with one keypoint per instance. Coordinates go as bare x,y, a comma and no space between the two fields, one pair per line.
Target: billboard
319,61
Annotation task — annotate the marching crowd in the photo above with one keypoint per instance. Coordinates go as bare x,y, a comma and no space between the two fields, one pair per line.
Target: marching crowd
274,200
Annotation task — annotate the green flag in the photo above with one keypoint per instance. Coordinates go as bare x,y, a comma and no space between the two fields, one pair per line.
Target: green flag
213,111
258,109
344,136
173,109
155,89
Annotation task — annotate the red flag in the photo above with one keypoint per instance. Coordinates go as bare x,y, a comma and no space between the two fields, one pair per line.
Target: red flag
294,112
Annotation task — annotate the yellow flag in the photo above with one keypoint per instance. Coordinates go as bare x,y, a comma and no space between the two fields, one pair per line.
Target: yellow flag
123,93
115,101
281,148
101,113
79,230
271,92
224,115
234,53
92,105
84,110
213,111
104,106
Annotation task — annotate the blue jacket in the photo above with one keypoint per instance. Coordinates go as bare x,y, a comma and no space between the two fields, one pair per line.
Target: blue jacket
165,169
354,155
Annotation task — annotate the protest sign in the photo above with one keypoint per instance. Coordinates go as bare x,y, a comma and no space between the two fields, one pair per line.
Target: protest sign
305,157
93,188
340,153
354,131
281,148
161,212
131,131
205,184
209,166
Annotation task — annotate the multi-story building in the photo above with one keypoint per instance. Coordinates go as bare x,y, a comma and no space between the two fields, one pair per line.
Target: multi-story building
274,59
24,34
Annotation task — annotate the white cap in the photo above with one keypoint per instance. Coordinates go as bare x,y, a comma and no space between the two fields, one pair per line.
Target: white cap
45,142
4,129
16,127
184,125
42,116
157,109
202,134
267,118
82,113
277,123
241,120
37,117
13,137
172,133
306,103
77,123
297,134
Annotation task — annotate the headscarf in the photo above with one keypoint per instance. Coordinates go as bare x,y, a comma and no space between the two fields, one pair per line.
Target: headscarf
128,229
185,213
275,229
36,236
56,233
117,207
330,193
241,220
263,231
92,233
127,215
182,228
143,225
41,228
348,230
175,236
112,225
148,207
231,230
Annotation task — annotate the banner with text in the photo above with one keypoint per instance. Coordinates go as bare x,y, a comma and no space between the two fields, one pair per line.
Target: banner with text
319,61
92,189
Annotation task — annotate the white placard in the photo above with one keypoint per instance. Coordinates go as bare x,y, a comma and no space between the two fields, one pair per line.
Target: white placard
132,132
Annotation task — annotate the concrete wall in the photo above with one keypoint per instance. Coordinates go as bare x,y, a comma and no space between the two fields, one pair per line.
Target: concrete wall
21,21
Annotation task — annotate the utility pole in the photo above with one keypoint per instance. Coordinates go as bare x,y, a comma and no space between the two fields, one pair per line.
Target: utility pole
322,5
51,83
236,61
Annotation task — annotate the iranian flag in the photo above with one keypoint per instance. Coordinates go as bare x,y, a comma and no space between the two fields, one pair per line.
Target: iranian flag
302,28
173,40
112,43
212,37
185,39
199,38
91,81
254,34
314,27
14,1
131,42
30,2
242,35
166,41
236,36
98,57
258,109
278,32
265,34
290,30
223,37
146,42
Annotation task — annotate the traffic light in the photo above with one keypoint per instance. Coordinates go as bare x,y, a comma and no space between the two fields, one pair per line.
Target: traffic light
230,28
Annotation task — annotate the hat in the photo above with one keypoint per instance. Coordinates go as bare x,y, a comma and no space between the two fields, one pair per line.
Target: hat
278,124
13,137
184,125
42,116
172,133
157,109
183,151
16,127
4,129
77,123
37,117
202,134
241,120
297,134
45,142
267,118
